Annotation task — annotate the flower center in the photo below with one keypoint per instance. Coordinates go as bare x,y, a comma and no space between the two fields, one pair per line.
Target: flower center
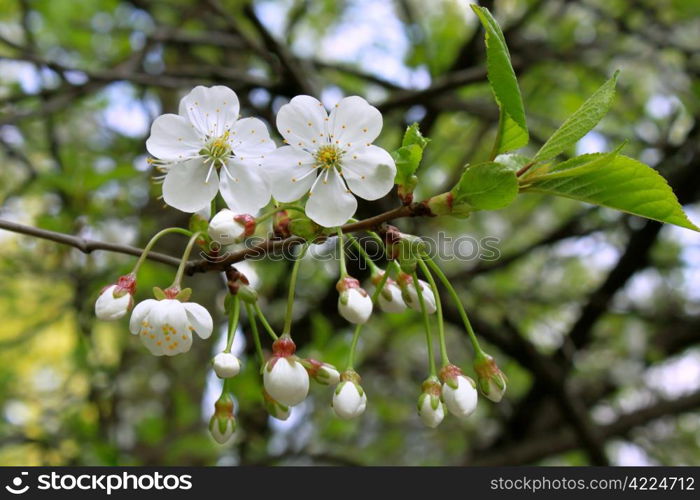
328,156
217,149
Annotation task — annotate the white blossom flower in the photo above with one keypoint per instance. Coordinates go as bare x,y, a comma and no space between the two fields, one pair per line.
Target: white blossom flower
226,365
458,392
354,303
349,400
227,227
330,157
165,326
206,148
286,380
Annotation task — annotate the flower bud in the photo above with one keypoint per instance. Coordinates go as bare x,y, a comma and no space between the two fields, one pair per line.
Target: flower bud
491,380
116,300
430,409
323,373
226,365
222,424
410,294
227,227
284,377
354,303
275,408
280,224
458,391
390,299
405,249
444,204
349,399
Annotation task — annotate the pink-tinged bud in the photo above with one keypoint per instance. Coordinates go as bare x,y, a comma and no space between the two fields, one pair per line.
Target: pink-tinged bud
222,424
430,407
275,408
390,299
491,380
323,373
458,391
280,224
354,303
226,365
410,294
284,377
116,300
349,399
227,227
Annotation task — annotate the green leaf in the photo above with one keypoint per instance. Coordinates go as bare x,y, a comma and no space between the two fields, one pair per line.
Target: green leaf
512,128
408,158
614,181
486,186
581,122
414,136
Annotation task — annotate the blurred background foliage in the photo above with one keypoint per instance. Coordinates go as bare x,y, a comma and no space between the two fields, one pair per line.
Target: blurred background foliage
593,315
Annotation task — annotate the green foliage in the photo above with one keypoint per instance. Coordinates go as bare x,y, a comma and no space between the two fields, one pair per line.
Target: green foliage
486,186
581,122
614,181
512,128
408,158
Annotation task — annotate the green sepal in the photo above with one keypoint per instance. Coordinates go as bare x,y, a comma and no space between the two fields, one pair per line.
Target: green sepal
158,293
184,295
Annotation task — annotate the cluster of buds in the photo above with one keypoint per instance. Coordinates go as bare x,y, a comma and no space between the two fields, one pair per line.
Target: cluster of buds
116,299
227,227
354,303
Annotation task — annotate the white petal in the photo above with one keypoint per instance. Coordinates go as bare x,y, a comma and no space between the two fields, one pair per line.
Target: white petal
287,382
331,203
357,308
251,139
289,172
395,303
110,308
369,172
461,402
302,122
212,110
187,188
347,402
431,417
199,318
139,314
353,122
173,138
243,187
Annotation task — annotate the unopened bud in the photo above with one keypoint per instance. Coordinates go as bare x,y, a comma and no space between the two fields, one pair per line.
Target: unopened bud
115,300
275,408
458,391
226,227
284,377
410,294
444,204
226,365
354,303
430,407
323,373
222,424
491,380
349,399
